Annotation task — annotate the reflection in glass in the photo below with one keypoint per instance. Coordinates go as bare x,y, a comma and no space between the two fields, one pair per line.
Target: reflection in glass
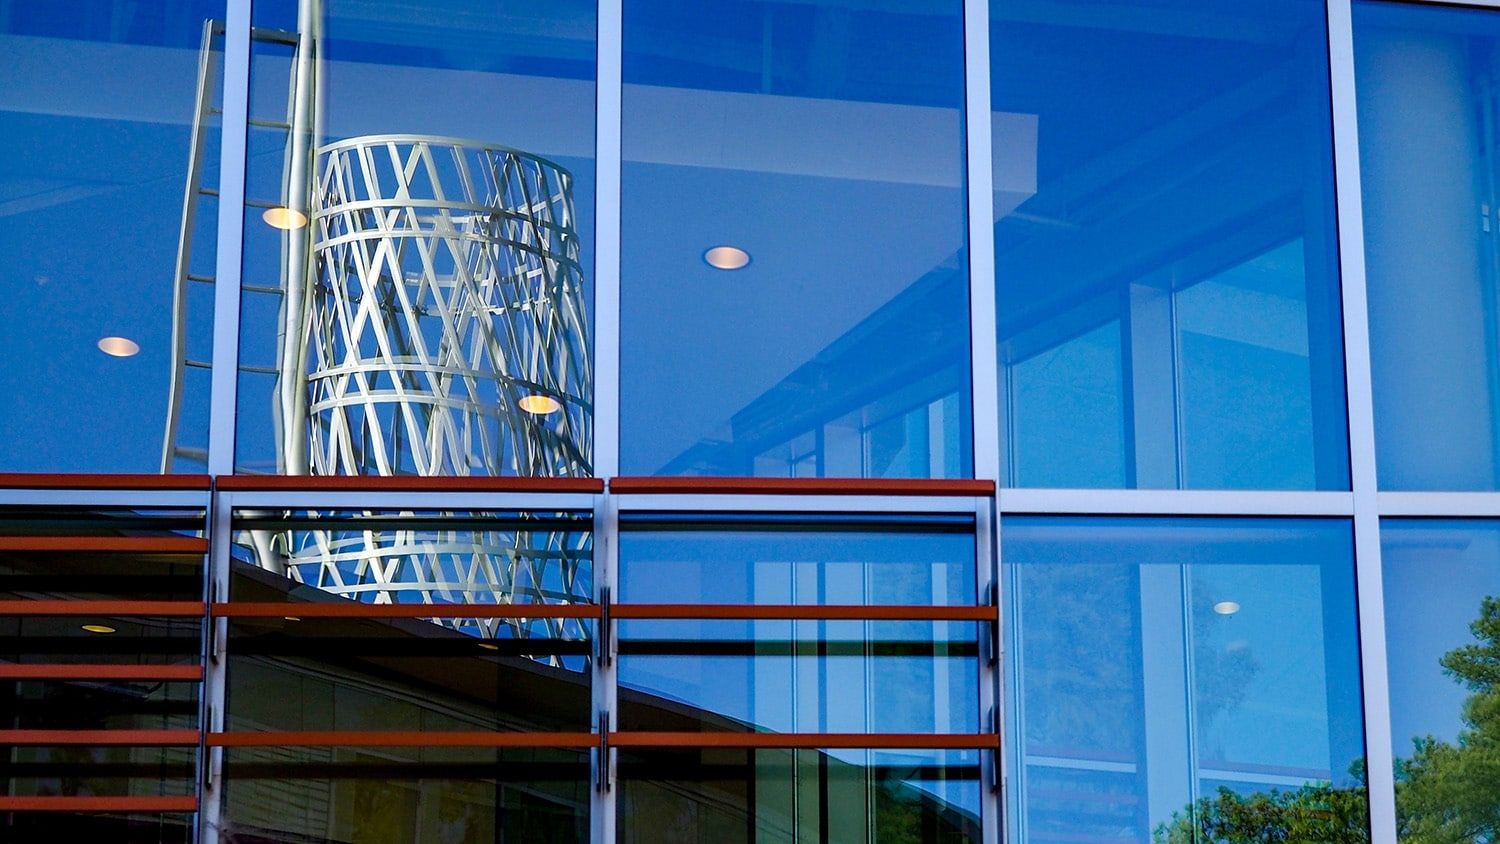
1184,677
800,676
108,206
1445,702
797,559
1431,191
422,558
395,795
726,795
825,141
415,300
1165,248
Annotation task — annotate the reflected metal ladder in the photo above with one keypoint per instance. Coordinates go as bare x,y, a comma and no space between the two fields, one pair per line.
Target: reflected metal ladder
207,112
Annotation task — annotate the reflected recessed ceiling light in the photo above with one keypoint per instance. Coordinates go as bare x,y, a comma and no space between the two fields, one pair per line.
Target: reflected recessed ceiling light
489,647
539,405
119,347
1226,608
726,257
98,628
291,618
284,218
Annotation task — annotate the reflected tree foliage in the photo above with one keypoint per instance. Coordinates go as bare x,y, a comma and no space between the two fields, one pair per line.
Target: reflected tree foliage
1446,793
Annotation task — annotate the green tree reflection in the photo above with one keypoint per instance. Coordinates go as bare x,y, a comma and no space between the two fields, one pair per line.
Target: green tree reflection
1445,793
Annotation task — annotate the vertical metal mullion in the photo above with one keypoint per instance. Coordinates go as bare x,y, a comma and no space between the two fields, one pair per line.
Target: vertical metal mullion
607,155
1368,574
984,372
233,130
979,145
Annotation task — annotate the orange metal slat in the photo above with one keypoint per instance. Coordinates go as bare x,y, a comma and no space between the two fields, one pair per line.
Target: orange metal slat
100,738
190,545
40,480
98,804
156,609
17,671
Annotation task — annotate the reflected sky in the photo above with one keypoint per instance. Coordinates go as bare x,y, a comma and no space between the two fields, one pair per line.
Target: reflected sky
96,107
825,140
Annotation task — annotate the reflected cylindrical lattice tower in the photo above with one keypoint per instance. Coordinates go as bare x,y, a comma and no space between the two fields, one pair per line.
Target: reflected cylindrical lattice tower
444,333
447,331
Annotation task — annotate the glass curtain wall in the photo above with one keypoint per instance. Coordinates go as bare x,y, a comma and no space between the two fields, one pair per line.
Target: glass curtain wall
1166,253
417,269
829,671
1427,80
108,212
794,273
1444,714
1184,679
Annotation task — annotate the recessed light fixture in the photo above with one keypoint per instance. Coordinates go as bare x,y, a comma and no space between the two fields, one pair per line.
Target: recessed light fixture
727,258
284,218
539,405
118,347
489,647
98,628
1226,608
291,618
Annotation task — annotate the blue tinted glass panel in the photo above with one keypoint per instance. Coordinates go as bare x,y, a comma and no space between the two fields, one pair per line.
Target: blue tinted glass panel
108,215
1427,111
794,272
1166,252
800,676
731,796
749,563
1173,676
418,239
1442,625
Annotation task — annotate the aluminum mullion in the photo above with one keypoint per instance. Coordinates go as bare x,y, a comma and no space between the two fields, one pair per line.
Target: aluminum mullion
228,267
1368,573
1154,502
609,92
134,499
985,407
979,147
797,503
1439,504
414,500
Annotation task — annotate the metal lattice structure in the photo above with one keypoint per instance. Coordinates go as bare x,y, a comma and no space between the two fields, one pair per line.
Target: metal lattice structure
432,322
446,332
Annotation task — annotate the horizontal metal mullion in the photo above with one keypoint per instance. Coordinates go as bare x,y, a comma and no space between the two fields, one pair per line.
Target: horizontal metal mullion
143,499
437,501
354,609
797,503
1175,502
436,738
1439,504
695,485
810,612
871,741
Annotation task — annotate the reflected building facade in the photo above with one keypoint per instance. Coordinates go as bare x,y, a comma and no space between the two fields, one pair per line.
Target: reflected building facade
937,420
